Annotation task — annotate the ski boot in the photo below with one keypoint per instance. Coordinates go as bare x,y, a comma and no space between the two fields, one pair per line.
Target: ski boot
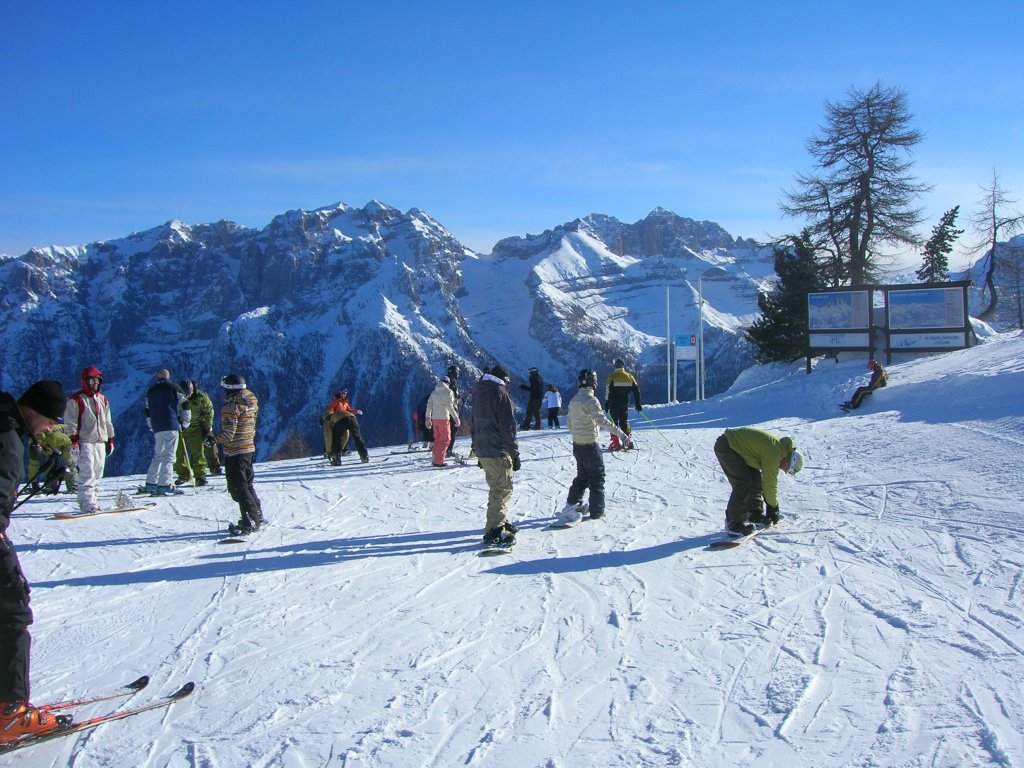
615,445
740,529
20,719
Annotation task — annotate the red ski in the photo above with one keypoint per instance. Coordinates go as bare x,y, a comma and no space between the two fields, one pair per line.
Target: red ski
94,722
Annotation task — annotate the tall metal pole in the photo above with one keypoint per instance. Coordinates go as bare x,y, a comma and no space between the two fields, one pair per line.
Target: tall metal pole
700,339
668,349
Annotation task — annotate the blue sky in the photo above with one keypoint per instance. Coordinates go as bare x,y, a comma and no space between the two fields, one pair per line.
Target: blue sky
496,119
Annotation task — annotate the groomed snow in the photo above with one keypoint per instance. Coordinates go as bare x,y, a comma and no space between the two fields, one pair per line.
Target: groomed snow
882,624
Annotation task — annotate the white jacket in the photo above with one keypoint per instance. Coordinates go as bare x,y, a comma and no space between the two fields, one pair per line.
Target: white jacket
90,423
552,399
441,404
586,418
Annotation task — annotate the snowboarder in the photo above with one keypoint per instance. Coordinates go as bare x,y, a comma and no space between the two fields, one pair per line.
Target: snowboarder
553,404
238,438
87,419
341,422
35,412
879,378
536,390
168,412
190,461
497,451
616,402
751,459
584,421
440,416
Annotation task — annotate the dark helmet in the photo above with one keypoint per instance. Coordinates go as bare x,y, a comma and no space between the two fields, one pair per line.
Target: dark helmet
233,381
342,393
187,387
587,378
872,364
453,371
620,363
499,372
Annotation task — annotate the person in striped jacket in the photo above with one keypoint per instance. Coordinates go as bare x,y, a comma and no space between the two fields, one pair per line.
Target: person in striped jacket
238,439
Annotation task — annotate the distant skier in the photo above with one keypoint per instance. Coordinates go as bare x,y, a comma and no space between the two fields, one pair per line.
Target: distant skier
168,412
87,420
536,390
553,404
879,378
497,450
585,420
35,412
453,373
440,416
616,403
238,437
419,417
751,459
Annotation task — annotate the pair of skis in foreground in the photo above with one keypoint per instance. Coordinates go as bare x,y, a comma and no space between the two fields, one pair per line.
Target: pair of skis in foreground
94,722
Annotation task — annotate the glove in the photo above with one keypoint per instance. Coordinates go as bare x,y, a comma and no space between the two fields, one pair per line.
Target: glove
359,413
110,447
35,451
639,408
771,514
74,441
516,464
208,440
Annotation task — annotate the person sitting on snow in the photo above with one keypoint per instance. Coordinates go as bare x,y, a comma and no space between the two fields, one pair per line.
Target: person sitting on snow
879,379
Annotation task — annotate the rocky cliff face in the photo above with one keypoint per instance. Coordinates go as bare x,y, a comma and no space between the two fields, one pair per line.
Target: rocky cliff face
372,299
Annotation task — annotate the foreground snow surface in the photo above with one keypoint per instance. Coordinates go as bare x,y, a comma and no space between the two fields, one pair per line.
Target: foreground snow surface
880,625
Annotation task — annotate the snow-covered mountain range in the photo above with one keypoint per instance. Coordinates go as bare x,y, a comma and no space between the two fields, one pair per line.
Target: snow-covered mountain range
372,299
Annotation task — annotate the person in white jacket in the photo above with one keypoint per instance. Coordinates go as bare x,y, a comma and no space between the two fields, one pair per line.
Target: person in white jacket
586,417
441,415
553,403
87,421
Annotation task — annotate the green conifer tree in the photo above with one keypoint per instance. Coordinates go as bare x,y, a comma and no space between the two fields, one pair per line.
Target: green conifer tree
780,334
935,265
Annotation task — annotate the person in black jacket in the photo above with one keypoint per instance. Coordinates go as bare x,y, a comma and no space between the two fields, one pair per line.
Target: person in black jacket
536,390
35,412
497,450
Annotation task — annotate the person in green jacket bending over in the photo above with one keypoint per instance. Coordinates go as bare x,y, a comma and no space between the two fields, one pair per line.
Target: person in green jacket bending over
751,459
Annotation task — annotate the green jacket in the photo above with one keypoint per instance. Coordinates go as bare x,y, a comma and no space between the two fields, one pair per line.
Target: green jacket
764,451
202,414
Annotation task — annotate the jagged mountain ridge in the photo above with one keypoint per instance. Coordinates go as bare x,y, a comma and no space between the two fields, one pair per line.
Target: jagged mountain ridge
373,299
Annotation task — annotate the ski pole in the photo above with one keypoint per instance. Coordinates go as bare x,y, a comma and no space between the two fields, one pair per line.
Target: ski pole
655,427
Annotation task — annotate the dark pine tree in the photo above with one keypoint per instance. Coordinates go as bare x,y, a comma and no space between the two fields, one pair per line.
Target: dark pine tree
935,264
780,334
